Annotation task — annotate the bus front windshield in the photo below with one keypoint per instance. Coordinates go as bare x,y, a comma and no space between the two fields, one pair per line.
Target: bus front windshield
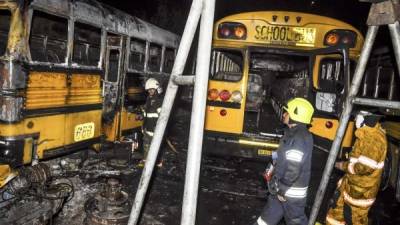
5,17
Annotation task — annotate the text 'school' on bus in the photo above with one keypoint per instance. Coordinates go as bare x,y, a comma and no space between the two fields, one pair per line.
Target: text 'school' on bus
71,75
260,60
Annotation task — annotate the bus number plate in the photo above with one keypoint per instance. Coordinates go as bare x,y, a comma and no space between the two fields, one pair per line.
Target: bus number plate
84,131
264,152
283,35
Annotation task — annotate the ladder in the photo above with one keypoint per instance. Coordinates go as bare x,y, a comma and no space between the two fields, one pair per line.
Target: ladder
205,9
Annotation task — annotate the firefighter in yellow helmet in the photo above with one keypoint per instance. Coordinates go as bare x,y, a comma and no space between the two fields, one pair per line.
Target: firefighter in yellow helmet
291,175
357,189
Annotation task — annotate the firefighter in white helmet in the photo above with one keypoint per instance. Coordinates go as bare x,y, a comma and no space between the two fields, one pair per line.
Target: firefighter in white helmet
357,190
151,112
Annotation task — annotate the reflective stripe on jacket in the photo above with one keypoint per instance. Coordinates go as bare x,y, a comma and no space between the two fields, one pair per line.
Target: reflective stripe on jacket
151,112
364,168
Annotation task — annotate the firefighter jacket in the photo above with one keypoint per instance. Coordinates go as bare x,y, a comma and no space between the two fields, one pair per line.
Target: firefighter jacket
151,112
364,168
293,164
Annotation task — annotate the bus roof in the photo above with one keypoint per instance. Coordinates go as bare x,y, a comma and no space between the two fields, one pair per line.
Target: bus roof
101,15
290,19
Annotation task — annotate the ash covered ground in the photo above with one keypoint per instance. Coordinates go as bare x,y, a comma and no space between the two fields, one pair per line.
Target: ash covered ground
231,189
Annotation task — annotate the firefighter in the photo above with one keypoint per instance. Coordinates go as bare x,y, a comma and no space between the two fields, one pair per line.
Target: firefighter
357,189
151,112
289,182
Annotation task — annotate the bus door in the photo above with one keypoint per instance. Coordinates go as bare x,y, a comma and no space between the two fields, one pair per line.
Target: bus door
331,80
114,69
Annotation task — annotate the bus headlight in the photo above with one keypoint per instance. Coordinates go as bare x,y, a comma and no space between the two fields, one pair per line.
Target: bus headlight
236,96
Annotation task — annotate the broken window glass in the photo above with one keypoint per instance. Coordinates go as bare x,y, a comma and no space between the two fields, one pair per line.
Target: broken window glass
48,40
137,54
155,58
5,17
169,60
87,41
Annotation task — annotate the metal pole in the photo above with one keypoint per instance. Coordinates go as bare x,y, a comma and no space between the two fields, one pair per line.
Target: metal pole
377,103
184,80
395,34
198,114
344,119
179,64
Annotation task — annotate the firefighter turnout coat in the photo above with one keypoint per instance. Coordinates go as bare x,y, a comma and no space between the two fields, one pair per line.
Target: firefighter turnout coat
290,179
151,112
359,186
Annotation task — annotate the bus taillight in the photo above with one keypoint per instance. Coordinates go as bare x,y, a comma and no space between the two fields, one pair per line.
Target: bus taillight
232,30
212,94
340,37
224,95
329,124
236,96
332,39
223,112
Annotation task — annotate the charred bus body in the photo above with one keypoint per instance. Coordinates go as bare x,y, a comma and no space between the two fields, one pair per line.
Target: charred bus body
260,61
71,76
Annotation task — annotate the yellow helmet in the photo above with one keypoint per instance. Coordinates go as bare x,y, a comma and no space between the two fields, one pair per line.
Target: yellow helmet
300,110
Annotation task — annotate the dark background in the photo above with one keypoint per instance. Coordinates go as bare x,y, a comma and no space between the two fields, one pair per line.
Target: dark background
172,14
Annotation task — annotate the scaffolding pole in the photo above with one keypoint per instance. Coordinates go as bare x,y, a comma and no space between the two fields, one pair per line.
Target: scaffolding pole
395,34
344,119
172,88
198,114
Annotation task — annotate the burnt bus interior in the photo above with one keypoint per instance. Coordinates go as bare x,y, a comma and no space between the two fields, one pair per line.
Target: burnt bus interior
48,43
275,76
5,17
281,77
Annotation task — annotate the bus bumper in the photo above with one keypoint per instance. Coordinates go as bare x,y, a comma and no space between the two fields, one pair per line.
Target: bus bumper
220,144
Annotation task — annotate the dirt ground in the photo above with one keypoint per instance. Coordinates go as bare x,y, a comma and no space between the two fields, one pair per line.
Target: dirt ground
231,190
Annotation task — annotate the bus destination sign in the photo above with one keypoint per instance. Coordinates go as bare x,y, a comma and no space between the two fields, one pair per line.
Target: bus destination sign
284,35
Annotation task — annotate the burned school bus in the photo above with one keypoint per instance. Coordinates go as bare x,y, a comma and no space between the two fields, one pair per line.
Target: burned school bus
260,60
71,75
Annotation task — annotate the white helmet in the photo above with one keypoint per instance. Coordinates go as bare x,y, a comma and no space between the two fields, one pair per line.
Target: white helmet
152,83
366,118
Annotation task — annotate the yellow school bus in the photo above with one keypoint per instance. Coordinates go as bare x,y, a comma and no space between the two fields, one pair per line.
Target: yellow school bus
71,75
260,60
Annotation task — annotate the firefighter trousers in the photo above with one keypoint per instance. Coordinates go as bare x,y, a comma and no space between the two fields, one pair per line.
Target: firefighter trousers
146,147
291,210
341,212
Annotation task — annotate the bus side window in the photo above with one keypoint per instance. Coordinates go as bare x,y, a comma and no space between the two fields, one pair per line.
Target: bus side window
5,17
86,45
226,65
137,54
113,66
155,58
169,60
331,75
48,40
